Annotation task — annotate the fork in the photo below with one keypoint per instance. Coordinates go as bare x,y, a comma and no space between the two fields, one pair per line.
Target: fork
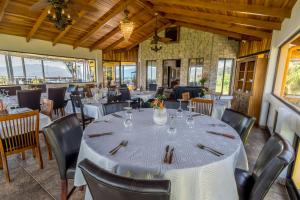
116,149
215,152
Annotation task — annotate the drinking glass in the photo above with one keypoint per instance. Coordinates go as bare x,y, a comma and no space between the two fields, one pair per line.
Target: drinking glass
179,112
172,129
190,120
128,119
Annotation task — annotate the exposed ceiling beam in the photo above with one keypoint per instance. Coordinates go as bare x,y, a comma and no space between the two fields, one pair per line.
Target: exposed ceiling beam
135,31
80,15
222,26
38,23
150,9
3,6
113,32
231,6
221,18
149,35
116,9
211,30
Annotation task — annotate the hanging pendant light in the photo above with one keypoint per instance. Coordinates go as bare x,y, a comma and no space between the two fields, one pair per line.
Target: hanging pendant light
126,26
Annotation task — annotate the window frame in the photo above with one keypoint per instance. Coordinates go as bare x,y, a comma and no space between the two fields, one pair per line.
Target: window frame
231,75
147,66
189,68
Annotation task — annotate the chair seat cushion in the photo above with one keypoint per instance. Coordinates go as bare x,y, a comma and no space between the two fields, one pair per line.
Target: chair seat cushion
244,183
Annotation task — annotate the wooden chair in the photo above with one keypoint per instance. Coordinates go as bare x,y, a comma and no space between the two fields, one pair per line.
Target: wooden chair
19,132
185,96
47,109
203,106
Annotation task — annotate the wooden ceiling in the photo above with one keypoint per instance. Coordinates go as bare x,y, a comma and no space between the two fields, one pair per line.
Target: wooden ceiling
239,19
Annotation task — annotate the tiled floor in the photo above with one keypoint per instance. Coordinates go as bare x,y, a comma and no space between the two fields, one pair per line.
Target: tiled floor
29,182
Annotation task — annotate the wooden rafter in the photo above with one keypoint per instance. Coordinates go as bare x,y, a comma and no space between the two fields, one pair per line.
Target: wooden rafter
231,6
113,32
221,18
80,15
37,24
222,26
211,30
103,19
135,31
3,6
148,36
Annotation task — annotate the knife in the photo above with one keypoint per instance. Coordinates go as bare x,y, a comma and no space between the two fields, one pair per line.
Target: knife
221,134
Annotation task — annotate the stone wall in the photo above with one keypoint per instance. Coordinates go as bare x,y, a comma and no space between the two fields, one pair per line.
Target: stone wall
192,44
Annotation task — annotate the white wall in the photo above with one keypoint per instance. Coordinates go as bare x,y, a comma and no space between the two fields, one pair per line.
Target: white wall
35,46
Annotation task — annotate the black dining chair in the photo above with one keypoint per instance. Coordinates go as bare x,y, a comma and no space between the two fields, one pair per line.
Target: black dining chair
159,91
57,95
105,185
12,90
240,122
113,99
29,99
72,88
64,135
169,104
276,154
125,94
77,104
42,87
109,108
152,87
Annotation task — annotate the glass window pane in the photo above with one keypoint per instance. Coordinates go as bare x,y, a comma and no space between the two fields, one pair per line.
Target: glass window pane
219,80
195,71
17,66
151,72
33,68
57,71
3,70
227,76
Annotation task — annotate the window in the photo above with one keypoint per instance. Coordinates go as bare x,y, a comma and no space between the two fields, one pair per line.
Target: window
128,74
195,71
224,74
22,68
3,70
287,84
151,72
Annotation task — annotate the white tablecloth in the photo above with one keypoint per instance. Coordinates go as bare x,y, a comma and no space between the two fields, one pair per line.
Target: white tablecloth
195,174
145,95
92,108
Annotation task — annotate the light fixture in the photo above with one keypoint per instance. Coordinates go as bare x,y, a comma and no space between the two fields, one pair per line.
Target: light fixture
58,15
126,26
155,42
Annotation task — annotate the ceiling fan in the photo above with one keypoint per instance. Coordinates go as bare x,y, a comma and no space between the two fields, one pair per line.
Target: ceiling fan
62,12
155,46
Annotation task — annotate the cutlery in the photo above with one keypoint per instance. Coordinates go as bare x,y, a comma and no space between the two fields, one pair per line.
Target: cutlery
103,120
171,156
116,149
221,134
100,134
116,115
196,115
166,154
211,150
220,125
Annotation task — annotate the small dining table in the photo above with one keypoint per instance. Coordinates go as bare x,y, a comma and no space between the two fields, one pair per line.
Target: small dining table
195,173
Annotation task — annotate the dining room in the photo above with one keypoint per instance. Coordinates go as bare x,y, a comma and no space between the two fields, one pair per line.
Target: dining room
150,99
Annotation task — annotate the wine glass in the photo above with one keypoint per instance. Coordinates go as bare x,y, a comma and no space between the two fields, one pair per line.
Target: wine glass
179,112
172,129
190,120
128,119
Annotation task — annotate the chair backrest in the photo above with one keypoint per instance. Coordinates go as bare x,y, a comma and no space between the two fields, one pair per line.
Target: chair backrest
57,95
12,90
276,154
203,106
29,98
169,104
64,135
47,107
77,103
152,87
185,96
160,91
72,88
240,122
125,94
19,131
87,91
42,87
112,99
106,185
109,108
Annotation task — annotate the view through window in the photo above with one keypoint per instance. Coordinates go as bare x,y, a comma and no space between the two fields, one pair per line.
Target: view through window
151,72
287,84
195,71
224,76
21,68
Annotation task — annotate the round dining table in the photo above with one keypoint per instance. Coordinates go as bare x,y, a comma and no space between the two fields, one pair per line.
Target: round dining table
195,173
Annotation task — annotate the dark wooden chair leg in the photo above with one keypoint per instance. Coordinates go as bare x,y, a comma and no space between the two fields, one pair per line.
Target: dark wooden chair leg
5,168
39,157
64,190
48,148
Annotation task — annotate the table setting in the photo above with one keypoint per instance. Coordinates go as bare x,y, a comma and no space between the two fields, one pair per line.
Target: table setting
145,95
188,149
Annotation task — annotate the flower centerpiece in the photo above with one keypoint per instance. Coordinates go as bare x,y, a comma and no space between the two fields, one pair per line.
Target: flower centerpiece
202,82
160,115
